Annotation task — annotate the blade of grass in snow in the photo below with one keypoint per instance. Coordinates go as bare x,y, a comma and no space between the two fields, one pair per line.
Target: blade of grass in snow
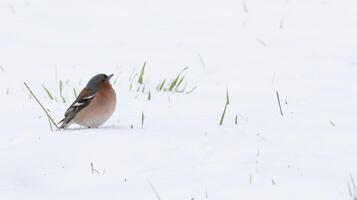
225,108
116,79
227,96
132,81
48,92
49,121
353,182
245,7
75,92
180,81
141,76
201,60
61,90
190,91
154,190
172,84
162,85
261,42
352,189
131,75
142,119
277,96
223,114
175,81
158,85
182,90
149,96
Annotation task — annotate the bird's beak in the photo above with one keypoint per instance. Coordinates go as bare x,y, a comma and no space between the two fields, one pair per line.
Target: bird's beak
110,76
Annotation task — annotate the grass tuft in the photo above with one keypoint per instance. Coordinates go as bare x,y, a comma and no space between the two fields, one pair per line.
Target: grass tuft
175,83
178,84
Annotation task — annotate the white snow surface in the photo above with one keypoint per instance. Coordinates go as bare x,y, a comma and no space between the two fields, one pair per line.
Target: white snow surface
305,49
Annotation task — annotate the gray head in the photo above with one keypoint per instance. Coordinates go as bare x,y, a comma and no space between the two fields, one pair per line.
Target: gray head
94,83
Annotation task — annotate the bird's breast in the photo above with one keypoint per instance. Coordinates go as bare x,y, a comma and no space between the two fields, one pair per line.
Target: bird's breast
99,110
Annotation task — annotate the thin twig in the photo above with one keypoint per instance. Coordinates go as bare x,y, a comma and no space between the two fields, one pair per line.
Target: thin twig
43,108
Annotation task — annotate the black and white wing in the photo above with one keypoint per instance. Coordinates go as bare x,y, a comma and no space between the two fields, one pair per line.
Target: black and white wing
83,100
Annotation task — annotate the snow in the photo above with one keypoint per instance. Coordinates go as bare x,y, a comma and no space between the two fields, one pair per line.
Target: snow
304,49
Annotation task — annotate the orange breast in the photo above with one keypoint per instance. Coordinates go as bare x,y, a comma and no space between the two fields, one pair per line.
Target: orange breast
99,110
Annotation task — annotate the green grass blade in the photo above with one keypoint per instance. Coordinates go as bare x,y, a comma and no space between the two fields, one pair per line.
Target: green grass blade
179,83
149,96
223,114
182,90
116,79
141,76
142,119
48,92
174,82
75,93
60,87
190,91
162,85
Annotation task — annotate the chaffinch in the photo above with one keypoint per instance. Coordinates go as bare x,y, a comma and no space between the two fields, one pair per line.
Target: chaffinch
94,104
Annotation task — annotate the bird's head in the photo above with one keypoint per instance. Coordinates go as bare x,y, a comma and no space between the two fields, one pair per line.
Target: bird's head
99,81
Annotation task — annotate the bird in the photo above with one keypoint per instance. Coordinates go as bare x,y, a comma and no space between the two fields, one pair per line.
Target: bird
94,105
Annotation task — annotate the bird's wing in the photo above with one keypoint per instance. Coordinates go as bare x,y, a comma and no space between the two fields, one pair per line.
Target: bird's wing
83,100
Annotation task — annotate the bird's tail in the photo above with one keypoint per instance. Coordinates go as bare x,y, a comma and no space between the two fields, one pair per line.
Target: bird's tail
65,123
